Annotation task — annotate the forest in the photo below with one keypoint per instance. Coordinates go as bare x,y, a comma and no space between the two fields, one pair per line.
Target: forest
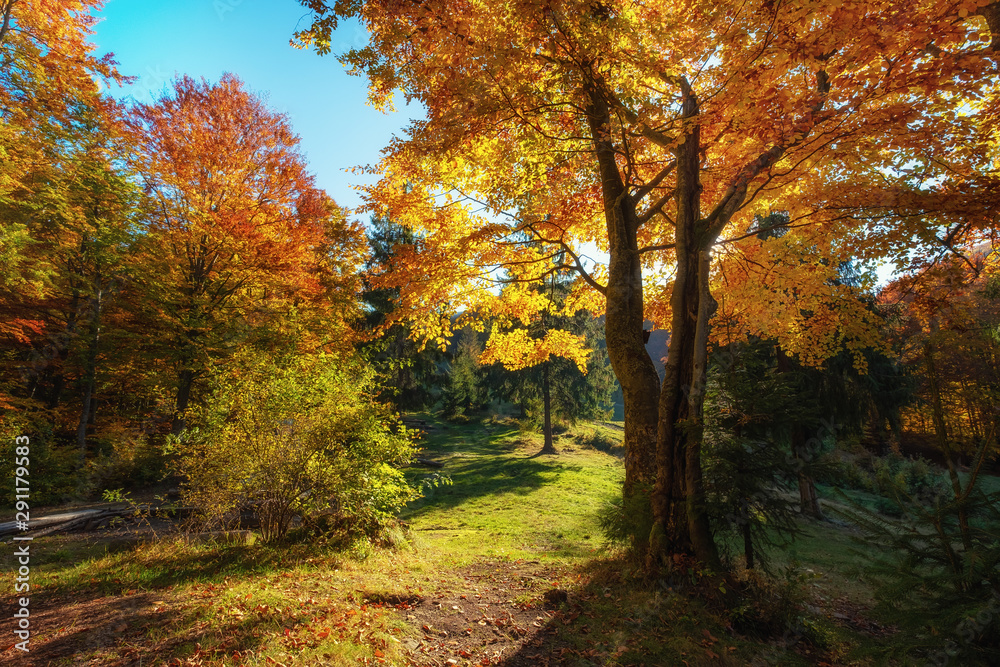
667,334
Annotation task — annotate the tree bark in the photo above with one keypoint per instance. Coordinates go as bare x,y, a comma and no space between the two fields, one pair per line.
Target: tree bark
90,374
747,542
624,315
808,498
548,447
680,520
8,10
185,381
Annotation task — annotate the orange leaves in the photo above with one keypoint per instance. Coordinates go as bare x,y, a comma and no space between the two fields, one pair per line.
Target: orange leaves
48,68
239,237
839,96
787,289
233,194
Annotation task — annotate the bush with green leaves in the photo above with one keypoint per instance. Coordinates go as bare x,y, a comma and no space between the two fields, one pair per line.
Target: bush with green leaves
54,466
126,458
915,477
299,437
886,476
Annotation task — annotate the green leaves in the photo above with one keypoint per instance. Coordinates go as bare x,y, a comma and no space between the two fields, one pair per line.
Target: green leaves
295,437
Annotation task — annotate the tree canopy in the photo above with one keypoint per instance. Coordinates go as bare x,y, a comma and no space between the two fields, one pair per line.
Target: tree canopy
655,133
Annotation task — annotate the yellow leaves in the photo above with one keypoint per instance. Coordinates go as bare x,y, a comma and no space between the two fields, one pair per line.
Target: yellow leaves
790,289
517,349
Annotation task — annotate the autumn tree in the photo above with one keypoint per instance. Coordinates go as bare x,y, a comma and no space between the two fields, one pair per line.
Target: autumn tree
239,233
66,208
47,67
947,322
48,77
656,132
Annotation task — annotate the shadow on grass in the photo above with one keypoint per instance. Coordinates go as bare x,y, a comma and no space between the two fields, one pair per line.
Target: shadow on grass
134,629
115,607
617,618
164,564
480,477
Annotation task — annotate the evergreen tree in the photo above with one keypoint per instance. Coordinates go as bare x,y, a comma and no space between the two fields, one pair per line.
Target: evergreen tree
411,376
466,389
752,411
557,385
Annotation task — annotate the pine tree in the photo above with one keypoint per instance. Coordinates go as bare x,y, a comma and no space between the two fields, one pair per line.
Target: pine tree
411,376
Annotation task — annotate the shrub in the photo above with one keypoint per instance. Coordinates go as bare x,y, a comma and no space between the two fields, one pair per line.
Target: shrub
886,475
769,606
301,437
127,458
626,523
55,475
913,477
849,472
602,442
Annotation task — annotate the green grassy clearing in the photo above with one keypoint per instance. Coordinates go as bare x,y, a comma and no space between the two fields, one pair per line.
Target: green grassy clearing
311,604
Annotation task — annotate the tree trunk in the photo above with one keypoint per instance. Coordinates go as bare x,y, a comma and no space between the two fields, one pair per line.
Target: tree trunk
90,374
624,316
680,519
59,378
185,381
808,499
747,541
8,10
548,447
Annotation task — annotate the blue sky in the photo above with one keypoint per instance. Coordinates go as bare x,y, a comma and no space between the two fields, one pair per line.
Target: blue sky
155,40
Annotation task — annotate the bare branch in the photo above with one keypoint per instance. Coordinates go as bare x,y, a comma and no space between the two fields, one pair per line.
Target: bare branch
8,9
736,193
654,182
578,264
656,248
656,207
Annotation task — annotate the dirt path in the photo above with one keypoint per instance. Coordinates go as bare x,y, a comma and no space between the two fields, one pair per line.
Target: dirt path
501,616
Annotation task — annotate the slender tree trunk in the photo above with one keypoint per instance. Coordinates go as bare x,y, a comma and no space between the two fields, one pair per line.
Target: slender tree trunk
548,447
185,382
808,498
90,374
747,541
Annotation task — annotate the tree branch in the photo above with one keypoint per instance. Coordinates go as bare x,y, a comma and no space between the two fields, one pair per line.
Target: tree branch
656,248
736,193
655,207
8,10
589,279
654,183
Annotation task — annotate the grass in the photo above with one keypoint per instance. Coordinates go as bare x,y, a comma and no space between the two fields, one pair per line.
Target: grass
312,604
516,503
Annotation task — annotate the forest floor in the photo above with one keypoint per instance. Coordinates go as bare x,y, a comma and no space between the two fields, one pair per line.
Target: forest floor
504,566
